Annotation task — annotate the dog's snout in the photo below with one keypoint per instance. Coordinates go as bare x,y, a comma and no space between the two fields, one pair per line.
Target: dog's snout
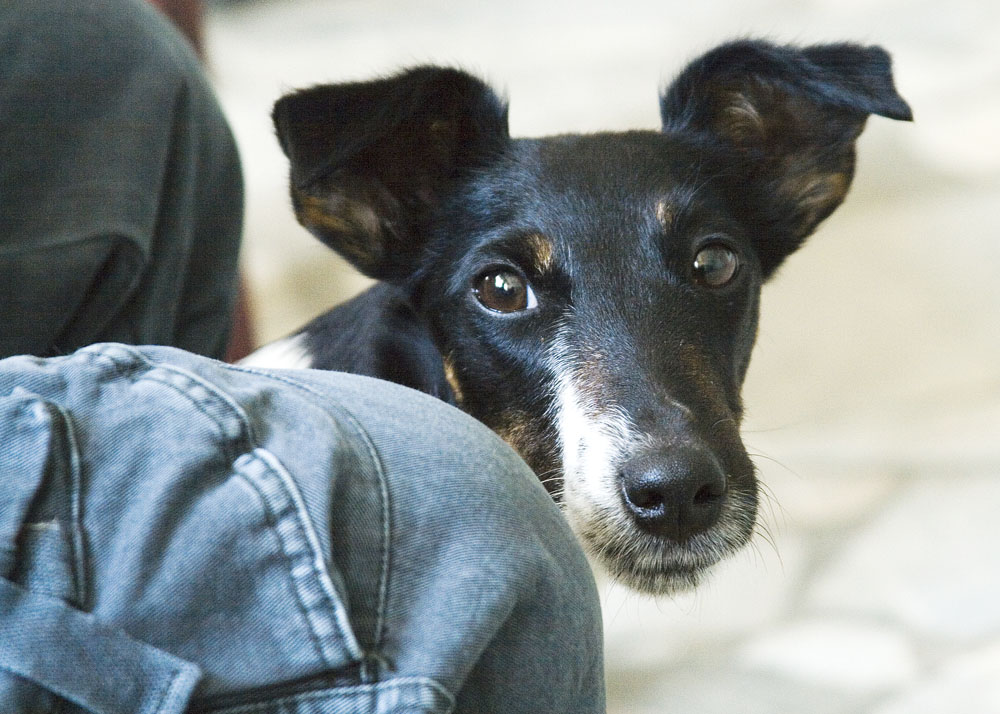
675,493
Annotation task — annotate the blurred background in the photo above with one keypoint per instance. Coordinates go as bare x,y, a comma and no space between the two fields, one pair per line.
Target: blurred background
874,394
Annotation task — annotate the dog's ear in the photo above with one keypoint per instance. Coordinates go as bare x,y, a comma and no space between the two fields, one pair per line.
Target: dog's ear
785,120
370,162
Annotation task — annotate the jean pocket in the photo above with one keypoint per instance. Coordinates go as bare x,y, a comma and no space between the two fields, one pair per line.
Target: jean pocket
40,532
337,693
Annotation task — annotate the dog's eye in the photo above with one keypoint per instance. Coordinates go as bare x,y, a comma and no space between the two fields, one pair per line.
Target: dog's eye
715,265
504,290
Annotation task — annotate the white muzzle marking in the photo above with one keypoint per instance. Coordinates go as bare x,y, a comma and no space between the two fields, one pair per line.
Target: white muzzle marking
596,439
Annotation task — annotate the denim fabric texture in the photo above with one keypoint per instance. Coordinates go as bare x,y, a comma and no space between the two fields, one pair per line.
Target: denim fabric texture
177,534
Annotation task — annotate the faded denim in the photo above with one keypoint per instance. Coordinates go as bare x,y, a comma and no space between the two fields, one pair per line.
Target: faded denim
181,535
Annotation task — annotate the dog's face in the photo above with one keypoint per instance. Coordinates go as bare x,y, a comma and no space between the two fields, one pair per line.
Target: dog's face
601,323
594,298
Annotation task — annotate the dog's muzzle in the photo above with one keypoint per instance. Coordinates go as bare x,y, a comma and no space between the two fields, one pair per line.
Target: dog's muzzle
665,516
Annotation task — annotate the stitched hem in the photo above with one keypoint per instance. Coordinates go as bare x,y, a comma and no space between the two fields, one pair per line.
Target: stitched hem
405,695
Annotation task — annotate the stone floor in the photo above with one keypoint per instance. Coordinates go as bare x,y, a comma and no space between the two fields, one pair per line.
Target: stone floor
874,394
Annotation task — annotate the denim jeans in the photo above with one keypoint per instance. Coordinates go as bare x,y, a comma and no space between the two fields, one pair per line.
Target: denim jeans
181,535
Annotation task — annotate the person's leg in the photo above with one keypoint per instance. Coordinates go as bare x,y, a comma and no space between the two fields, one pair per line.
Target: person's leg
484,590
182,531
121,208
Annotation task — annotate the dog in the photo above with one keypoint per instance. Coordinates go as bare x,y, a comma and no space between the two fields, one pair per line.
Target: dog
591,298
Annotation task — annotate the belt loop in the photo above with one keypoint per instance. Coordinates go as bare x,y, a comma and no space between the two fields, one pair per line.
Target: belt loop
100,668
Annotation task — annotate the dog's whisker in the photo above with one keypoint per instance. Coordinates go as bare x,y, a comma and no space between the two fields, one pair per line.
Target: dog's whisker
764,533
720,422
773,460
775,510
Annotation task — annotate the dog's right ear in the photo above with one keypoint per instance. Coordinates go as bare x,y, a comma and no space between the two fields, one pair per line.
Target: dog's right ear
371,161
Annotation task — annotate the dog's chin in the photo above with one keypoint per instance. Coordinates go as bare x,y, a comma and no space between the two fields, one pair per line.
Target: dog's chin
658,566
653,573
654,582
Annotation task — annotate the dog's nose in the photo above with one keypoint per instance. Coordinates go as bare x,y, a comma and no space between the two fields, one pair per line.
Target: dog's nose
675,493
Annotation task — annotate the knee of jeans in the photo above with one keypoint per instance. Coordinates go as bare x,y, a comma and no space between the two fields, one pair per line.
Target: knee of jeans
510,542
459,501
493,509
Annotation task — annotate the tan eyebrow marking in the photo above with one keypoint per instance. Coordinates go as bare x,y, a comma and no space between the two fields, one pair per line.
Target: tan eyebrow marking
665,213
541,252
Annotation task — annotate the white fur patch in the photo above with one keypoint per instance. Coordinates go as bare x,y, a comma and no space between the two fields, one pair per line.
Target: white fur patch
286,353
594,439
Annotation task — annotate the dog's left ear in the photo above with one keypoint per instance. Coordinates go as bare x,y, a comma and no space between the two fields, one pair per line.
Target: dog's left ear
785,120
372,161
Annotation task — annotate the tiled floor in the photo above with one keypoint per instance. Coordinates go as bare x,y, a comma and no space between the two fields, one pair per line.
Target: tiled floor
874,395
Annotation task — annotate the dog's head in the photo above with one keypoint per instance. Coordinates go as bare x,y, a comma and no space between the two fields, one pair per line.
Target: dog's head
594,297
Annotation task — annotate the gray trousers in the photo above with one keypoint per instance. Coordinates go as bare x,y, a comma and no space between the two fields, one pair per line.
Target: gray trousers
121,196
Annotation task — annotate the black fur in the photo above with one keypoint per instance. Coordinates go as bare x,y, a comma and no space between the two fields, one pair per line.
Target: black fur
415,180
395,344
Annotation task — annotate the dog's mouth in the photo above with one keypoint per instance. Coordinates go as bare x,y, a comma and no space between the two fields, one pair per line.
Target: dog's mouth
653,563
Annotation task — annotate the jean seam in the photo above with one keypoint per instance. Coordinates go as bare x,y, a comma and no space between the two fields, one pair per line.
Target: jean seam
80,584
242,450
293,510
371,689
383,489
245,439
235,443
386,515
60,427
163,701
